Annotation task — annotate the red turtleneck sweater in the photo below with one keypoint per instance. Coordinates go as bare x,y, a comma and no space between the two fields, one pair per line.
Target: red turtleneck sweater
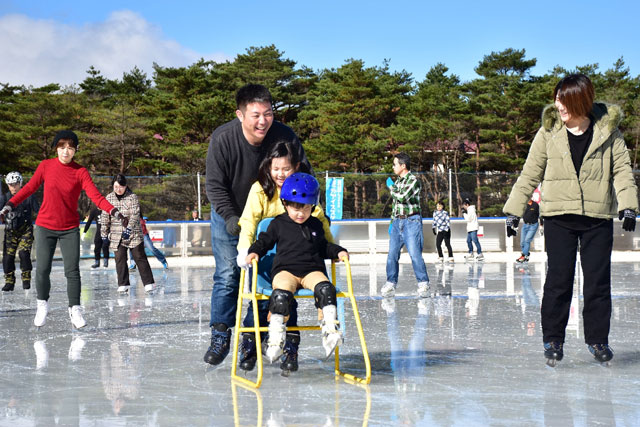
62,186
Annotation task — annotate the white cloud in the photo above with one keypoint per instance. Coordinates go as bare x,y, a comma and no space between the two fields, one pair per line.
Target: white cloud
38,52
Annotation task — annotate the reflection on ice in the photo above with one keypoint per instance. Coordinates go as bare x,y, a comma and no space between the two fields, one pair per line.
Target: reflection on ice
469,355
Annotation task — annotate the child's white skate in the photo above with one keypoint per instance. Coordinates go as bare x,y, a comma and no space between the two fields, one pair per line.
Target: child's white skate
277,334
331,334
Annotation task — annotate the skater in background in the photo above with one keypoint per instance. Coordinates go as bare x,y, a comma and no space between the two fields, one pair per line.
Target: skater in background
234,155
299,262
470,215
98,244
18,235
129,237
58,221
530,218
406,227
442,230
580,199
263,202
148,245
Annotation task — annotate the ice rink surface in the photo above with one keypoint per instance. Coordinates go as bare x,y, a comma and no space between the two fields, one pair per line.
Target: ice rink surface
471,358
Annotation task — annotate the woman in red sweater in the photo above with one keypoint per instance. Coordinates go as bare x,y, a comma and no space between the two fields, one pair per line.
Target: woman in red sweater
58,220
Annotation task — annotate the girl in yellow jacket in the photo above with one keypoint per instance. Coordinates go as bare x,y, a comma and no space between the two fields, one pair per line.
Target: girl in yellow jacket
264,202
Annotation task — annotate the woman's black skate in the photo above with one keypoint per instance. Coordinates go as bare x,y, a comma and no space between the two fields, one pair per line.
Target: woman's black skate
553,352
601,352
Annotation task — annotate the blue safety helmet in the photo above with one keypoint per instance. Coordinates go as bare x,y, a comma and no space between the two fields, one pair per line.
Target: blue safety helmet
300,187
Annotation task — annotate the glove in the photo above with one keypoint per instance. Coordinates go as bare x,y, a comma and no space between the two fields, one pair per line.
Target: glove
126,233
241,259
118,215
105,241
434,231
5,211
389,182
629,221
464,211
512,225
232,225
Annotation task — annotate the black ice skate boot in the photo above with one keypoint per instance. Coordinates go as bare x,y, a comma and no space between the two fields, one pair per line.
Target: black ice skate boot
290,352
220,342
248,355
96,264
553,352
9,282
601,352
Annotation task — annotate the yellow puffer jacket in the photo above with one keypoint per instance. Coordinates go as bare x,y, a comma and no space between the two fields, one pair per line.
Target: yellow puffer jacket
606,184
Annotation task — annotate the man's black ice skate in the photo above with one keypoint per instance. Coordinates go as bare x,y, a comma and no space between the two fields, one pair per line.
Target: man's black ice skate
96,264
601,352
8,287
290,353
220,343
26,284
248,355
553,352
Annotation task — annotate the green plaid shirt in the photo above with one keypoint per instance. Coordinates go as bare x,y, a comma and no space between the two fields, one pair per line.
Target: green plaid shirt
406,196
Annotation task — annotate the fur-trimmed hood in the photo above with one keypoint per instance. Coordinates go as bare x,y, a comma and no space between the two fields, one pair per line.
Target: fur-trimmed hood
607,116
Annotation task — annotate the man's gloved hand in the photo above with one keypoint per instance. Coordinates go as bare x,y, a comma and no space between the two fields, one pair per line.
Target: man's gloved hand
241,259
232,225
105,241
126,233
5,211
389,182
464,211
512,225
118,215
628,217
435,233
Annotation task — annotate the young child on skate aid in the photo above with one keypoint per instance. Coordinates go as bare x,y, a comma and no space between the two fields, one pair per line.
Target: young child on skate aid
299,262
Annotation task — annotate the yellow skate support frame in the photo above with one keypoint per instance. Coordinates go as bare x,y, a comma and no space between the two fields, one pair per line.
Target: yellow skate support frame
253,296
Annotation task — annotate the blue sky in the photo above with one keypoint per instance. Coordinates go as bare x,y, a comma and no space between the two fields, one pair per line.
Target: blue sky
56,41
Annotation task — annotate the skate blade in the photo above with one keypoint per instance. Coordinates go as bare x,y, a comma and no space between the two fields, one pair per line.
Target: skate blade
285,373
552,363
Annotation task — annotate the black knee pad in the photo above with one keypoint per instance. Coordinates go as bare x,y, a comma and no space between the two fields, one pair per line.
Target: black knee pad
280,301
324,294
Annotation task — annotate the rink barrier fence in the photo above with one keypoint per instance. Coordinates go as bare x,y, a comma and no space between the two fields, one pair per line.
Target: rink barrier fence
193,238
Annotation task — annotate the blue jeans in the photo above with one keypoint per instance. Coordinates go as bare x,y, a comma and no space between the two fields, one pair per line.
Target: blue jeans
226,280
148,244
406,232
527,234
472,236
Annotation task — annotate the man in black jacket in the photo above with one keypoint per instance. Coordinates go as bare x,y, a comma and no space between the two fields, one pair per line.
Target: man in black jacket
235,151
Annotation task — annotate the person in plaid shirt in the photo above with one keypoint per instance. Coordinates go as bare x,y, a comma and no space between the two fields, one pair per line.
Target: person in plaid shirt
442,229
406,227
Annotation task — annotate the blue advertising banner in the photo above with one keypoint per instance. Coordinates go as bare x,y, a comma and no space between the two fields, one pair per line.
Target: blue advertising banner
335,192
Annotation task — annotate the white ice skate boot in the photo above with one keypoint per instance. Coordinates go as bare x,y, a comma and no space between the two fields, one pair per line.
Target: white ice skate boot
277,335
388,289
41,312
75,314
42,355
423,289
75,349
123,289
148,288
331,334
